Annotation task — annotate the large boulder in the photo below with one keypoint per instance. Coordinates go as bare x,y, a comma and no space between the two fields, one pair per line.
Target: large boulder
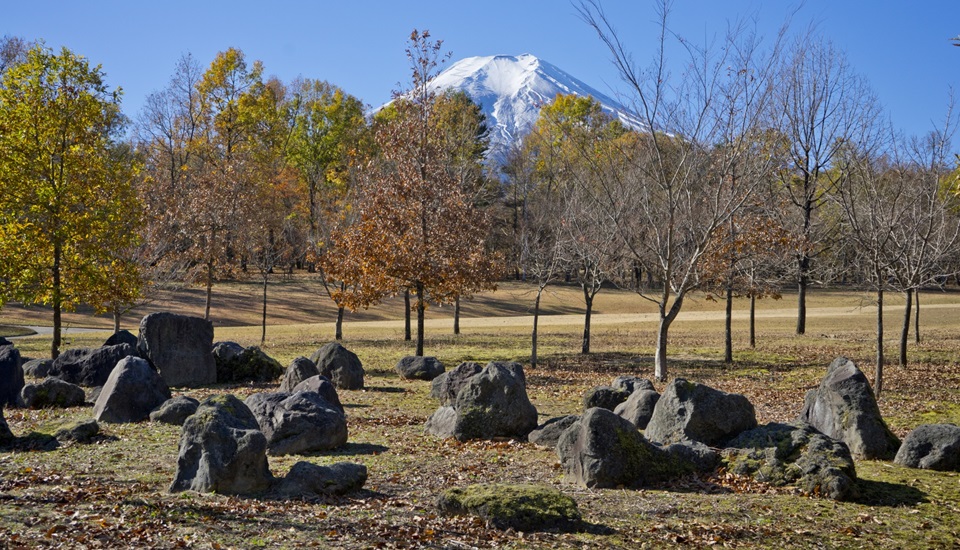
548,433
121,337
175,410
417,367
224,352
492,404
605,397
11,376
446,386
794,454
510,506
298,423
603,450
688,411
179,347
52,392
89,366
638,408
37,368
845,408
250,365
324,387
297,371
931,447
222,450
340,365
307,480
130,393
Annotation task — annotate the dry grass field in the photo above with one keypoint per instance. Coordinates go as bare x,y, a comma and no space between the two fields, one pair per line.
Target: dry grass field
113,493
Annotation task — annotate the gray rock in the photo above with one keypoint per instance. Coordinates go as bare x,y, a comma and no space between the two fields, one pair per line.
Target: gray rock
794,454
703,459
512,506
122,337
446,386
6,436
250,365
52,392
37,368
299,370
605,397
931,447
688,411
638,408
548,433
224,352
179,347
844,408
89,366
93,394
307,480
413,367
603,450
130,393
340,365
298,423
82,431
11,376
492,404
175,410
324,387
222,450
632,384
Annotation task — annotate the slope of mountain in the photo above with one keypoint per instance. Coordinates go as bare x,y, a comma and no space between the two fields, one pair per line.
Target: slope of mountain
511,90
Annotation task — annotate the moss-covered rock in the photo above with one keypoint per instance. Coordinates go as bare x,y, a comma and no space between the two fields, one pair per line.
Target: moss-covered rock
507,506
80,431
794,454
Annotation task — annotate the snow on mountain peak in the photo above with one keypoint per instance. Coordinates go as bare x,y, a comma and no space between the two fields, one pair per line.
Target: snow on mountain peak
511,90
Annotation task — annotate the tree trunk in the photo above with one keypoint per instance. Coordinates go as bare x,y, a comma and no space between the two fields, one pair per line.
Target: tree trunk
802,295
916,318
728,327
263,324
339,330
116,321
456,316
421,307
660,359
57,302
536,320
878,377
753,322
406,315
206,310
905,330
585,347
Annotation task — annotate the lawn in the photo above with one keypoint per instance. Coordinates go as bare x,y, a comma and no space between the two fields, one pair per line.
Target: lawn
114,492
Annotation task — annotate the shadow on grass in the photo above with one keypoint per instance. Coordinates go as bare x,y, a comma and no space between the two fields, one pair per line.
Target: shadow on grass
881,493
384,389
353,449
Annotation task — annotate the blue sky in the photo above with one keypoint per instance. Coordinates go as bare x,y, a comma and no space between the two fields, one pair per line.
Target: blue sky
902,48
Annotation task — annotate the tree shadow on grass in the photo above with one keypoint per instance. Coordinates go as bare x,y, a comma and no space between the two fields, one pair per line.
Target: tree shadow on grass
882,493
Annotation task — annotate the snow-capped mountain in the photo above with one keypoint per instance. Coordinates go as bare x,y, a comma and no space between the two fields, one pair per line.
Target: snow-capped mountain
511,90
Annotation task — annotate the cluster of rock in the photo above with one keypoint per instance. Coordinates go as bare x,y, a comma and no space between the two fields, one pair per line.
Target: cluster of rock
482,403
695,428
222,449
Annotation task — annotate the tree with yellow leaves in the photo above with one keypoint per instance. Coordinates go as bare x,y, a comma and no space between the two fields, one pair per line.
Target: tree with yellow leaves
66,196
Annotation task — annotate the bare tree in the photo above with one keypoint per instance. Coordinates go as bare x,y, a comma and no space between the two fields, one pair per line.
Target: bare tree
679,192
822,103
